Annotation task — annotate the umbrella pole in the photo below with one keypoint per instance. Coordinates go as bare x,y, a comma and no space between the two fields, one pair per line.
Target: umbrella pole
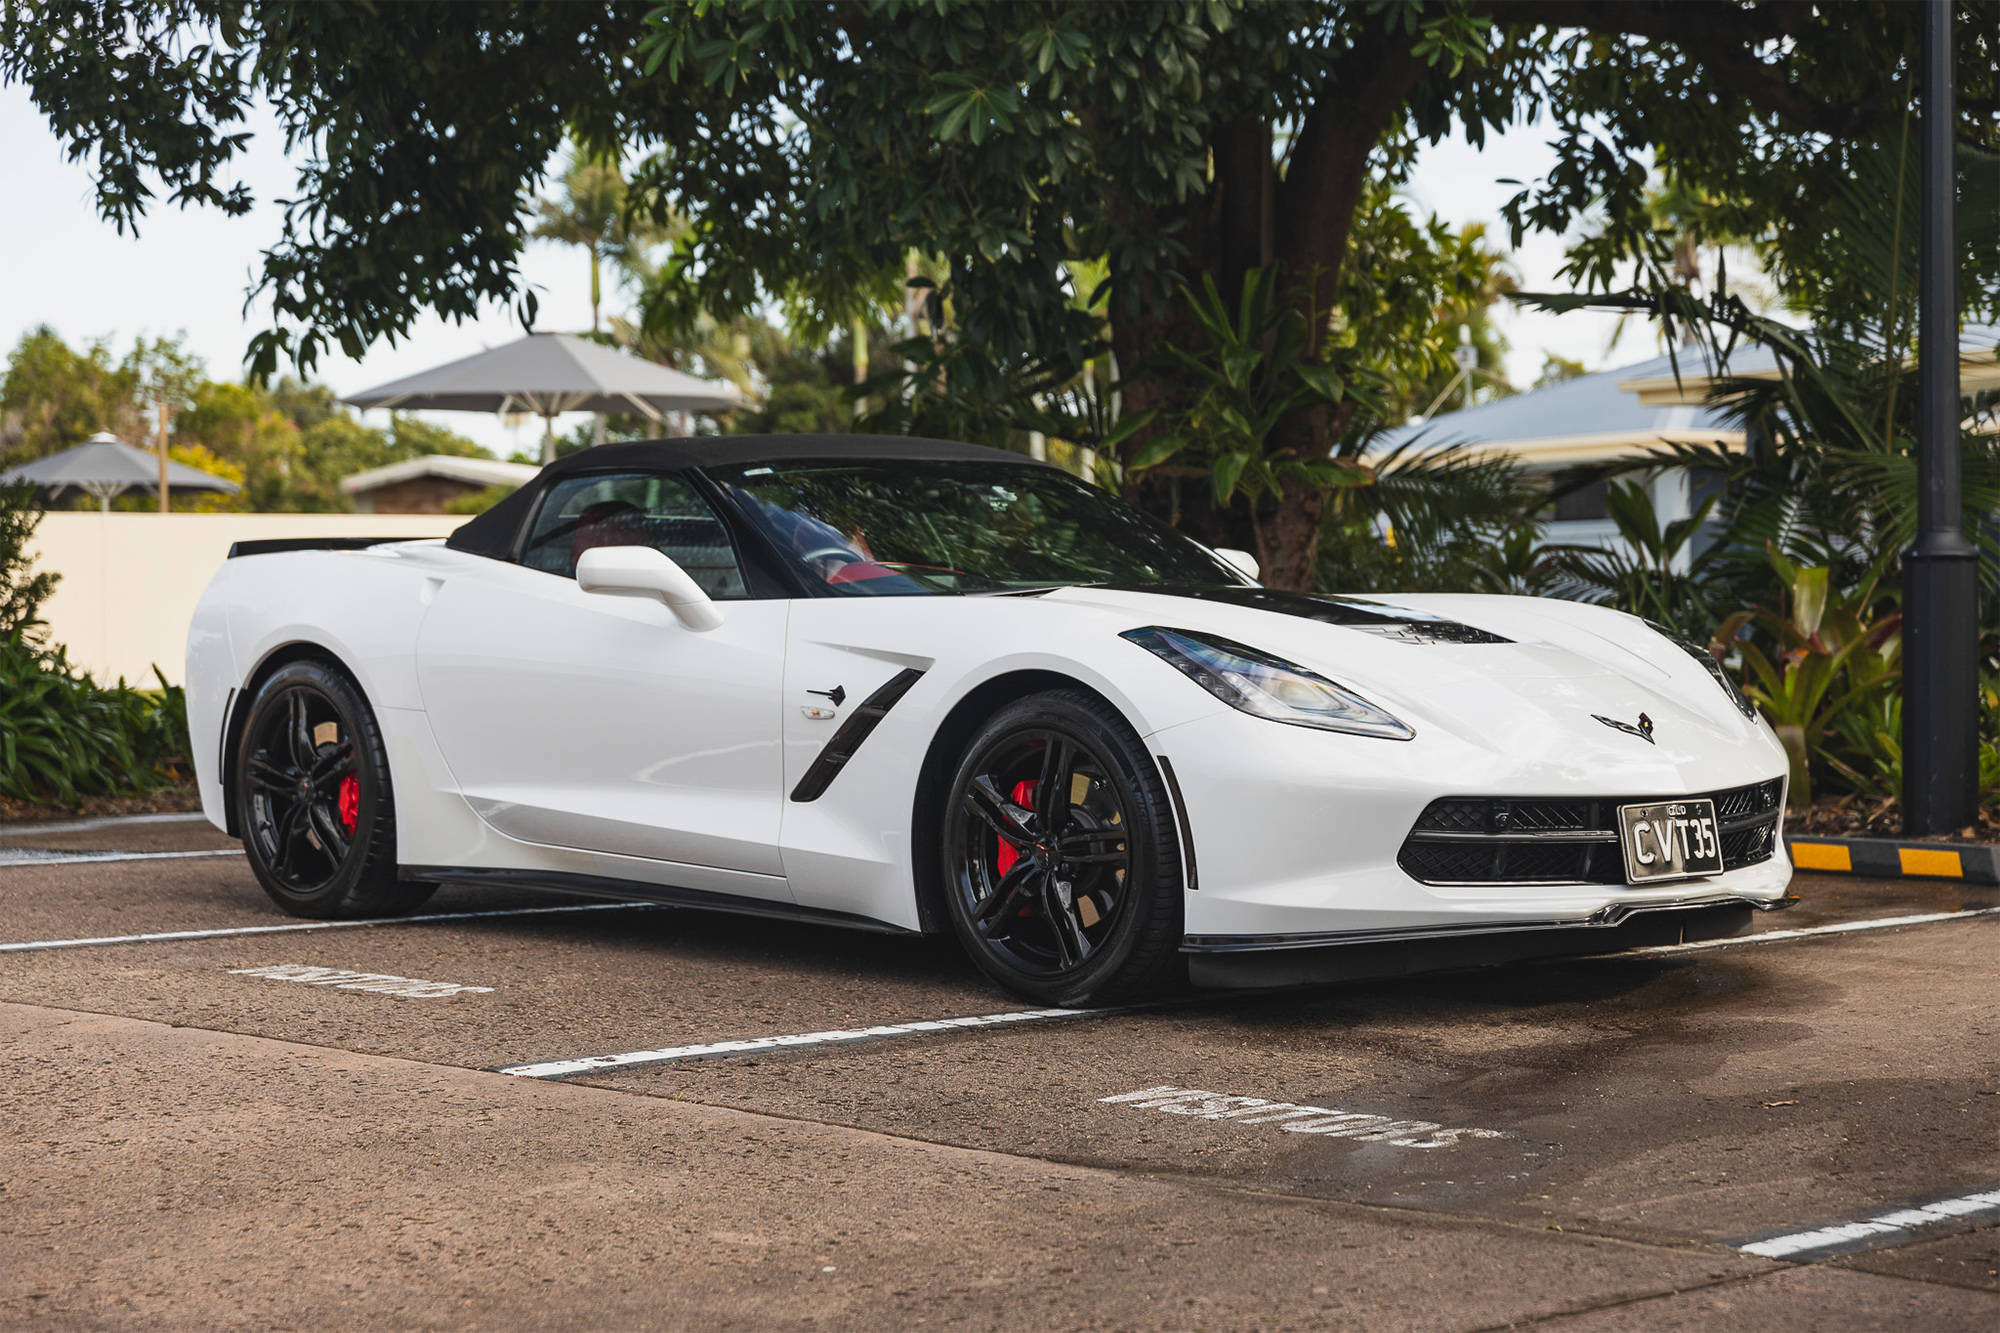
548,439
163,455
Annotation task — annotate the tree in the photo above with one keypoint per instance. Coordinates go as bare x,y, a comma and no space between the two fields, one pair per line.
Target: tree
54,397
813,147
592,213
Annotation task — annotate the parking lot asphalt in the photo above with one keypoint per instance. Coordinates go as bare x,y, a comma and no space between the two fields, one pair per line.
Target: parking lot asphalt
251,1125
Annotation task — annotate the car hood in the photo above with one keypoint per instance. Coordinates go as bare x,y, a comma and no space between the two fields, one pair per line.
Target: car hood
1520,675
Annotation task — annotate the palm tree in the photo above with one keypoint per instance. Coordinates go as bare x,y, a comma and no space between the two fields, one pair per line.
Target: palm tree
592,213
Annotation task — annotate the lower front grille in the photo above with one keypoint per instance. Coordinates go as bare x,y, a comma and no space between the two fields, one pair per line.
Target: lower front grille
1564,840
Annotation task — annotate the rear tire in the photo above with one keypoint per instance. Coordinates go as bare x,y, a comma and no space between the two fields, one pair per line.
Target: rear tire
1062,867
313,798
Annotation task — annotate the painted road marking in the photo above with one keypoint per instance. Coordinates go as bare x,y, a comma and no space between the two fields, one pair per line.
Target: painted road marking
376,982
159,937
801,1040
21,856
1295,1118
1930,861
30,829
1844,928
1874,1233
721,1050
1821,856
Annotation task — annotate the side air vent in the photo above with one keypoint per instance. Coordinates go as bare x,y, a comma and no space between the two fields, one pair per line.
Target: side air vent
853,731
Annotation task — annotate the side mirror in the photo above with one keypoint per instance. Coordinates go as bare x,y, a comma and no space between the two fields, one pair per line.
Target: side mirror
641,571
1243,560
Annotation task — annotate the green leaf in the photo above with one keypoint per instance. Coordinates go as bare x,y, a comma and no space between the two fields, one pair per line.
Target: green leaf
1157,451
1228,467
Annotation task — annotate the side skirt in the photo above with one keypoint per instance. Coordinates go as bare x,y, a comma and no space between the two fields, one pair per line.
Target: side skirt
625,890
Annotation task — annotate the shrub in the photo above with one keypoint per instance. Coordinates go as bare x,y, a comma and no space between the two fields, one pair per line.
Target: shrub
63,736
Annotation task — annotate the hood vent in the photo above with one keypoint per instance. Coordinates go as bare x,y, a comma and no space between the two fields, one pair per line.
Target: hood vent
1430,631
1386,622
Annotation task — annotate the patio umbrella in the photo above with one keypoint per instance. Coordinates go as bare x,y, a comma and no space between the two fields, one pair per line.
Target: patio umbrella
105,466
552,373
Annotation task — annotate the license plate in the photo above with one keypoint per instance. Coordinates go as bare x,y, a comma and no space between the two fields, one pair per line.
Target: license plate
1671,840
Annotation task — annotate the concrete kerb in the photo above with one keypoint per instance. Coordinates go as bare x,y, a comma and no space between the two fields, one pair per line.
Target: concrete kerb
1896,858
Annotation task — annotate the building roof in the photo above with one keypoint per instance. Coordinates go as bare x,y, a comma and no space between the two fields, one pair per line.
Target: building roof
1635,409
449,467
1594,416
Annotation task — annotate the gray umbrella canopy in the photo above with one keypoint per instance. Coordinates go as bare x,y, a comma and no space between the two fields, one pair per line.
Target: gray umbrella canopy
105,466
551,373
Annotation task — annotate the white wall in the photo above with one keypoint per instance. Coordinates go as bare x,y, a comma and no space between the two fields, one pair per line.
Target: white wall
130,581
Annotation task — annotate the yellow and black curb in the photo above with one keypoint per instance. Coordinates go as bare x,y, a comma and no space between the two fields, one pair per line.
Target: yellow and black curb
1892,858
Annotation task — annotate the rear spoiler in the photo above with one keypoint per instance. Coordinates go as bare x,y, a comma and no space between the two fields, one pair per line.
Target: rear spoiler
278,545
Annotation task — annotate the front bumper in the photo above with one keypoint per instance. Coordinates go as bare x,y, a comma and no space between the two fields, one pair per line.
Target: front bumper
1298,833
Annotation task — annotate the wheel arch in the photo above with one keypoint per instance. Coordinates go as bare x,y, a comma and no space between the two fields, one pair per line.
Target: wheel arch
298,650
965,717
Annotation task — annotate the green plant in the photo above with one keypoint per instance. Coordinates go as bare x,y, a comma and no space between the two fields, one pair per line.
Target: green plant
1447,519
62,736
478,502
1868,748
1256,366
21,593
1833,657
1646,576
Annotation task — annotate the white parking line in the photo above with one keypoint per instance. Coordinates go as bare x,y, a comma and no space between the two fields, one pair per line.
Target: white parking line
717,1050
565,1068
24,946
38,856
29,828
377,982
1843,928
1294,1118
1873,1233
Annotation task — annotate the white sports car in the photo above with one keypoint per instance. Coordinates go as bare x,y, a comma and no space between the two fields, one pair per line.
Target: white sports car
905,685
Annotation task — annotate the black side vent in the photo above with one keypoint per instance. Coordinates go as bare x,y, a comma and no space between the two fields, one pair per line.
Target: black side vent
847,740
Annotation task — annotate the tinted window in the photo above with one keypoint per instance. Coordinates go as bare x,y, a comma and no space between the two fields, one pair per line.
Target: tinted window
1585,504
916,526
649,509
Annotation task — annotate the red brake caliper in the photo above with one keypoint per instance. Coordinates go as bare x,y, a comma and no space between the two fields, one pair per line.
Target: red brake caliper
350,801
1023,795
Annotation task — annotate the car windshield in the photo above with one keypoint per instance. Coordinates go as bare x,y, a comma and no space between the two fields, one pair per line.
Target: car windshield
912,527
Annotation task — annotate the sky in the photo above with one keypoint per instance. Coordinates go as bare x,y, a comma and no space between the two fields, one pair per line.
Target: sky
188,271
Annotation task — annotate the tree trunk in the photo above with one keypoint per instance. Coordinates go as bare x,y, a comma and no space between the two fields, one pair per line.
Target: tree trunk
1248,220
1315,208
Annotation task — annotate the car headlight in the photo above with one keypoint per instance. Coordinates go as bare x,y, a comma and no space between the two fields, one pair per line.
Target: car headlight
1267,686
1707,659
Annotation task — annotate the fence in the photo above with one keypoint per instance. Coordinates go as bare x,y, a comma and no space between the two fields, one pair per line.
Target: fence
130,581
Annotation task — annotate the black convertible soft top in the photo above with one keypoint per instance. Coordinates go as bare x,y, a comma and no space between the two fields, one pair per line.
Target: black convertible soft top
493,533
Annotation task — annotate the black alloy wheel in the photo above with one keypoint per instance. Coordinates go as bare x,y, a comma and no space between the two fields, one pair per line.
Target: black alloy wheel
313,800
1061,863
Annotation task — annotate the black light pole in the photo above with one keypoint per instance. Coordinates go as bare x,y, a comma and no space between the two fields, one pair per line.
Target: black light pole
1940,600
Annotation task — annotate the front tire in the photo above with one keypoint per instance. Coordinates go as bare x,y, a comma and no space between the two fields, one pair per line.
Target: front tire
1062,867
313,798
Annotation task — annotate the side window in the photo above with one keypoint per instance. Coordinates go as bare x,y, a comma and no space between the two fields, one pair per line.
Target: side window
644,509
